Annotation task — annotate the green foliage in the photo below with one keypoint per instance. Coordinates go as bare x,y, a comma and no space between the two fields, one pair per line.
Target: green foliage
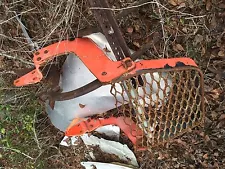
17,133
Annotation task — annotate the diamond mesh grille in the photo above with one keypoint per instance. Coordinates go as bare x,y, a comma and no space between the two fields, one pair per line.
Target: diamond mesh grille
163,104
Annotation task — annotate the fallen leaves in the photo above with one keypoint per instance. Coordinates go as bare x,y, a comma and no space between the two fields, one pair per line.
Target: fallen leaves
180,3
137,44
205,156
178,47
208,5
221,120
198,39
221,53
179,141
207,139
222,117
215,93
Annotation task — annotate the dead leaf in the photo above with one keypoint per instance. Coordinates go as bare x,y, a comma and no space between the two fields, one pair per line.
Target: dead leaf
213,22
178,47
221,53
82,105
172,2
207,139
176,2
190,4
156,37
137,27
184,29
130,30
202,134
215,93
191,166
204,164
221,124
208,4
216,154
183,143
1,61
222,117
203,50
137,44
198,39
160,156
208,122
205,156
182,5
214,115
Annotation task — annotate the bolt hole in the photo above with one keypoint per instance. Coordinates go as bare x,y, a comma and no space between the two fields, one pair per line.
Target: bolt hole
46,51
39,59
37,53
33,72
104,73
35,78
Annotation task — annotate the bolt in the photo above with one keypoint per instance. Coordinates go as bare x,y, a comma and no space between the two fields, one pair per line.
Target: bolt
128,63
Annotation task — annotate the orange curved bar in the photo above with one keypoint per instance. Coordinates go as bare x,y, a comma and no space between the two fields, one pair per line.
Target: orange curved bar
89,53
125,124
104,69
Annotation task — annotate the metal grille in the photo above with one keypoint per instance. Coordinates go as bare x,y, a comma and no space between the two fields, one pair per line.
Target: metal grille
163,103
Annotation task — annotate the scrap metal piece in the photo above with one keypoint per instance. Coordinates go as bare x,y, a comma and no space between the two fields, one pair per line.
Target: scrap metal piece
111,147
110,29
33,46
126,124
98,165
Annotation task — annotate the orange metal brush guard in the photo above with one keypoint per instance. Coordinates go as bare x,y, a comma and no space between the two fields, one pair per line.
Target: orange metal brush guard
107,72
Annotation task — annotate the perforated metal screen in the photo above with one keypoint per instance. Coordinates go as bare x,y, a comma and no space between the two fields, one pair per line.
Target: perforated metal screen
164,103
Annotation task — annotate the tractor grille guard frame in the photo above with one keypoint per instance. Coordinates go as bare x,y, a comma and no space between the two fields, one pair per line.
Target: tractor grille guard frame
162,73
161,99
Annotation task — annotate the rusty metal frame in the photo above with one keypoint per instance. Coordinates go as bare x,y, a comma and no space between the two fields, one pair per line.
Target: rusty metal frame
110,28
106,71
176,69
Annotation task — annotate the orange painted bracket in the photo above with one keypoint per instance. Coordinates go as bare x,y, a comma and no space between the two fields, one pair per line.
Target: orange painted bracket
104,69
89,53
126,125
